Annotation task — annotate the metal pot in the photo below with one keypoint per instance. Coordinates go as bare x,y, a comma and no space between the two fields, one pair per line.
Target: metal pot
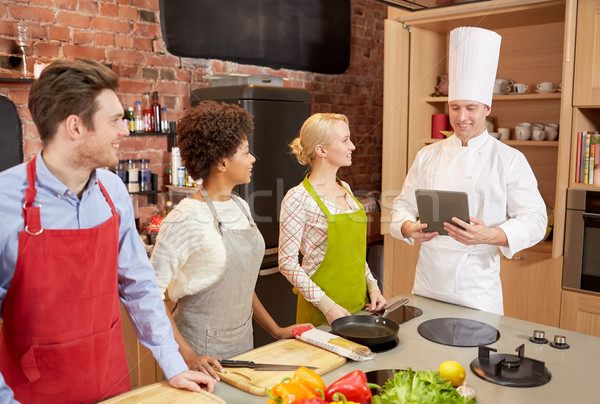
369,330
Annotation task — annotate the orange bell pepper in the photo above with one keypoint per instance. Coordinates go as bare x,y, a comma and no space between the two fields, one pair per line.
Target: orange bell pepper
310,379
289,391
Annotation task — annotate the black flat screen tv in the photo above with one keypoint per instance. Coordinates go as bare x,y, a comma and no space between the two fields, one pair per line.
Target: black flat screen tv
307,35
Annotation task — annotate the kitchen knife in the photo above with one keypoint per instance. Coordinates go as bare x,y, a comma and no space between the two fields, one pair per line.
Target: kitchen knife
259,366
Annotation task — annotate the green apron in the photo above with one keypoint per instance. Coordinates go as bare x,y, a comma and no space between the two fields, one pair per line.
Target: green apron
341,275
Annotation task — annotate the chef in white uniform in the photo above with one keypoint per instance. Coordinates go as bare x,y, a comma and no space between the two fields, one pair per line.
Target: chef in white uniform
505,207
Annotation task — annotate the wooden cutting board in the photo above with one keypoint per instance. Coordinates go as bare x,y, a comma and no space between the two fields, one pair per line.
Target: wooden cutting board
284,352
160,393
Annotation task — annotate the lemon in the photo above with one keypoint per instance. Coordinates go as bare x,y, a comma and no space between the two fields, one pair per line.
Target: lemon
453,372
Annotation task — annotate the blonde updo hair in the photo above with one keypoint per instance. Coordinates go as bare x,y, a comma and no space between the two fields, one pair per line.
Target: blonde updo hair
316,130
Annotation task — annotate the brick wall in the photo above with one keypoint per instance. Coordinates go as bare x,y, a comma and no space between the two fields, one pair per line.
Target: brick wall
126,34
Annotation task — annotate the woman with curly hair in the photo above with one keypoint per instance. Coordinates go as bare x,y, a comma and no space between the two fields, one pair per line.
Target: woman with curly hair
322,219
208,251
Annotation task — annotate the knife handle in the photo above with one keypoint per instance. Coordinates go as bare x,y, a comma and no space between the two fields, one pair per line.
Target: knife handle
236,364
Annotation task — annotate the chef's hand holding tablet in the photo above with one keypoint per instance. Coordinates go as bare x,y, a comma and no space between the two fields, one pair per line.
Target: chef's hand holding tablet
475,232
414,230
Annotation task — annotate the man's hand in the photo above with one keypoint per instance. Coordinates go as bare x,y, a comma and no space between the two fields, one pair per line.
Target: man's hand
475,232
204,364
193,380
414,230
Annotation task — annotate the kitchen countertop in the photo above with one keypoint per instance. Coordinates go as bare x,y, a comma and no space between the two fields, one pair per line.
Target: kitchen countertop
574,371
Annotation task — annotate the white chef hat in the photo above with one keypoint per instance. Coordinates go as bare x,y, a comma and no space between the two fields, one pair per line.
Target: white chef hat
473,61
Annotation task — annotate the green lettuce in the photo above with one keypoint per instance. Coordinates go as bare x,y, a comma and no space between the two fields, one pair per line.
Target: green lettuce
420,387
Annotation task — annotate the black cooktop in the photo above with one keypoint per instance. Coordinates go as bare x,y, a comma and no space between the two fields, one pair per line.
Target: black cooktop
459,332
403,314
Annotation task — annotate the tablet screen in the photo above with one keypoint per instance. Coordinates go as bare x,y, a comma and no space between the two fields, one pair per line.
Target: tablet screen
436,207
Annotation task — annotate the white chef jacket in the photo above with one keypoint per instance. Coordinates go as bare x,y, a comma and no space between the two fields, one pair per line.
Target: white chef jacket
502,191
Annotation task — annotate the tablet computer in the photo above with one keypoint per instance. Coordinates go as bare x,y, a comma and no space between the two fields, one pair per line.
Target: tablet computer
436,207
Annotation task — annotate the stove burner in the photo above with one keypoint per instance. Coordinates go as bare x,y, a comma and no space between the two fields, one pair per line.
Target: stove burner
511,361
386,346
379,377
510,370
458,332
402,314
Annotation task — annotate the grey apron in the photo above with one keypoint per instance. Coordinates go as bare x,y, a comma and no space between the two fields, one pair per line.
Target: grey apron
218,322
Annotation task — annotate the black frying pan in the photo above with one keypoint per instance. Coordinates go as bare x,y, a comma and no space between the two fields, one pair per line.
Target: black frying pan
368,330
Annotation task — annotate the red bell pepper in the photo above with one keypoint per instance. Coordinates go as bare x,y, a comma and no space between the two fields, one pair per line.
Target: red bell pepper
353,386
314,400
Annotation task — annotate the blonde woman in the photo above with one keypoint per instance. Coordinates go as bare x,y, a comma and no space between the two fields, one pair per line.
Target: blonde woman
322,219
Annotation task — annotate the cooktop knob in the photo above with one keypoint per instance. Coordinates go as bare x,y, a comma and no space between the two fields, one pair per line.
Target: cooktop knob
560,342
539,337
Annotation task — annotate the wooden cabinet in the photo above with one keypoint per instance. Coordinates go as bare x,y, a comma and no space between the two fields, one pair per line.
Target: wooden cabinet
586,88
143,368
537,45
531,283
587,56
580,311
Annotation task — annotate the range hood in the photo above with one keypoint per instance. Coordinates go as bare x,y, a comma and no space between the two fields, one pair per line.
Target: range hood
416,5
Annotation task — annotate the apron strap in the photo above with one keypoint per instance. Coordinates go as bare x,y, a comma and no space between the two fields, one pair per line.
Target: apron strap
31,214
236,199
311,191
218,223
107,197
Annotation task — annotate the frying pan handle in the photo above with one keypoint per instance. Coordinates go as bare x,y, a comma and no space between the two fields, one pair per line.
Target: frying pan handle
394,306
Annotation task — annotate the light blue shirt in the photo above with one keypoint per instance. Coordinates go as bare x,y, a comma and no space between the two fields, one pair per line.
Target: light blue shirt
61,209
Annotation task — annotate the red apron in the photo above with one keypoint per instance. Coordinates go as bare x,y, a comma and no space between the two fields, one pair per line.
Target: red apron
61,340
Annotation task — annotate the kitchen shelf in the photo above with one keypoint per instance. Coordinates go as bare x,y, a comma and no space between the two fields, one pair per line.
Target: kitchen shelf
16,80
171,135
152,133
153,194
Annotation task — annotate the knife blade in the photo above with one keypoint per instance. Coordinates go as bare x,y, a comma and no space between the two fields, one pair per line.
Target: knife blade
228,363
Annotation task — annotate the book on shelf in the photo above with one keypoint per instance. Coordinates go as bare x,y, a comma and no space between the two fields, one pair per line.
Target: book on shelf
578,158
597,164
588,157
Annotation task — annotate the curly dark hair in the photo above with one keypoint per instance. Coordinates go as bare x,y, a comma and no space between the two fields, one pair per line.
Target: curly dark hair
210,132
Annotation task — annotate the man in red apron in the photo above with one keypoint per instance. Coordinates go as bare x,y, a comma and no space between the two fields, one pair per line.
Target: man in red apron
69,251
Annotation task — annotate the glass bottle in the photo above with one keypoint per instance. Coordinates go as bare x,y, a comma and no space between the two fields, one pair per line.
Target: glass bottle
175,164
145,175
133,176
125,116
155,112
147,113
131,120
139,120
120,171
164,123
181,177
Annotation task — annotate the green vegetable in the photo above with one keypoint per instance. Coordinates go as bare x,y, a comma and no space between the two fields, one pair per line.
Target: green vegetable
420,387
376,400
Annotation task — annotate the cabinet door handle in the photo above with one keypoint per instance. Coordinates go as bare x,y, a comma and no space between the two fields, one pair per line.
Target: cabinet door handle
516,258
